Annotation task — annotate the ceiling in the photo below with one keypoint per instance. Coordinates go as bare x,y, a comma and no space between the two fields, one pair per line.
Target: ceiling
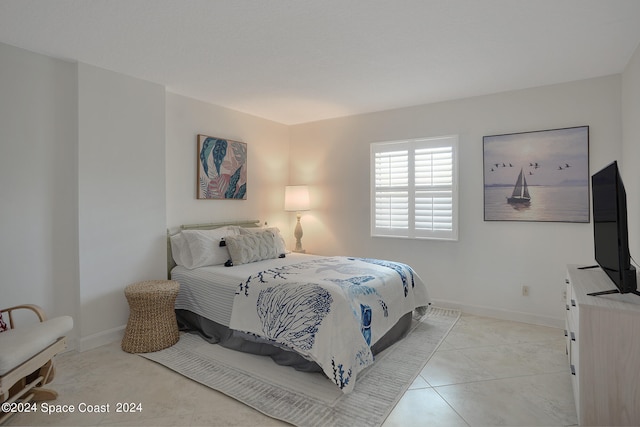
295,61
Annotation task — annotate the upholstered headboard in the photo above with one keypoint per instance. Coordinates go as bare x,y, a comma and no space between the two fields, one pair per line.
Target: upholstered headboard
170,261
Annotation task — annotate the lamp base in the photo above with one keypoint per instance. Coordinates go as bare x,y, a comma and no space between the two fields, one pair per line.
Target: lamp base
297,233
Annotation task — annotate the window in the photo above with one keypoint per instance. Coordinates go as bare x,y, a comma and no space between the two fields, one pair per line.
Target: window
414,188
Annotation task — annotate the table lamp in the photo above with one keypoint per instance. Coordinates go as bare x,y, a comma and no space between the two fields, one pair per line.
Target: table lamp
296,199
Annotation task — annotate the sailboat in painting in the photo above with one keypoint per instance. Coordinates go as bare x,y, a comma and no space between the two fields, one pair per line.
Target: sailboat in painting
520,194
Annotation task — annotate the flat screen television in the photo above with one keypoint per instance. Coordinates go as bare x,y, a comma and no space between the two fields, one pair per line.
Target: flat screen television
610,230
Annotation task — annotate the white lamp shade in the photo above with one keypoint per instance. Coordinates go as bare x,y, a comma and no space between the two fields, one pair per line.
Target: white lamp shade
296,198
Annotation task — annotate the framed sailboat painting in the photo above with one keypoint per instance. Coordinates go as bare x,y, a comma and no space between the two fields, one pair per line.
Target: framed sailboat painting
537,176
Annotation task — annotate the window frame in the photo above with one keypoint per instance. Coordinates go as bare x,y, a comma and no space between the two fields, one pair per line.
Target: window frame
411,145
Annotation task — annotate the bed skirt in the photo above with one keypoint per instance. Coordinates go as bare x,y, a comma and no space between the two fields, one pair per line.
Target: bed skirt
216,333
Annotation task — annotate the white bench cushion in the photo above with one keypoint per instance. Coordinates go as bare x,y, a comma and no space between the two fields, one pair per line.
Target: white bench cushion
20,344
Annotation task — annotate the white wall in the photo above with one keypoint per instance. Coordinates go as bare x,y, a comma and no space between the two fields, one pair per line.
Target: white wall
121,214
82,156
631,148
38,181
268,164
484,271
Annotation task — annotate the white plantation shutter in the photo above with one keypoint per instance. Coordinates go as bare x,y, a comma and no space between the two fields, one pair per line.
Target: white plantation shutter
413,188
391,183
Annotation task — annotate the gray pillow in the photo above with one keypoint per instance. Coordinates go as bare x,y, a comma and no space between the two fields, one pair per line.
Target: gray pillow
253,247
282,247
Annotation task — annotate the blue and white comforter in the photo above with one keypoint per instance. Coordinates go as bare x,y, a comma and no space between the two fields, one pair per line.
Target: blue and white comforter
330,310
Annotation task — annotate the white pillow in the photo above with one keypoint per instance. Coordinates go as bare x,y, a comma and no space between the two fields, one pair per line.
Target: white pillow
252,247
280,243
204,247
180,250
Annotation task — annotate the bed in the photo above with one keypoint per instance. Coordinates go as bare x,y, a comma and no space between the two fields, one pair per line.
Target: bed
241,288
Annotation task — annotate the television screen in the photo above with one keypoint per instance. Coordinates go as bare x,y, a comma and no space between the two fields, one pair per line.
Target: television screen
610,229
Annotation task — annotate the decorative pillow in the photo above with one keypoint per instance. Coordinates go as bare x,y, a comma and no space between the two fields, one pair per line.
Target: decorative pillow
204,247
280,243
3,326
252,247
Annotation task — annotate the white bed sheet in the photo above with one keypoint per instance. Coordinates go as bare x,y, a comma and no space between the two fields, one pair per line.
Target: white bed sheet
209,291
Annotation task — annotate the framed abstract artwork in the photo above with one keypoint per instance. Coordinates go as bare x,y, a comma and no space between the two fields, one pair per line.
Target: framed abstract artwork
222,168
537,176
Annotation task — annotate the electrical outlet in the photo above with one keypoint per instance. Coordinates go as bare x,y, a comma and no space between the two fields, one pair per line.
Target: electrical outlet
564,295
525,291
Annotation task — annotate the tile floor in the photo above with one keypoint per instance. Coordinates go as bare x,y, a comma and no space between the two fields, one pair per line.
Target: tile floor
486,372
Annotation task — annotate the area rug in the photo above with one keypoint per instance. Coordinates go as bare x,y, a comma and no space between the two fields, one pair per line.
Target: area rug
311,399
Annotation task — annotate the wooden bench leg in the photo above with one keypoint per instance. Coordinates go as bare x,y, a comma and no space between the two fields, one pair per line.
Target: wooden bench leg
48,372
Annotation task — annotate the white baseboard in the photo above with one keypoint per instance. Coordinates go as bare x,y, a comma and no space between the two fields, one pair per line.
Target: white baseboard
112,335
72,343
498,313
101,338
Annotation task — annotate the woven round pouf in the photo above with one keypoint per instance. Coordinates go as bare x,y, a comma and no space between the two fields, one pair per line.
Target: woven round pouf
152,323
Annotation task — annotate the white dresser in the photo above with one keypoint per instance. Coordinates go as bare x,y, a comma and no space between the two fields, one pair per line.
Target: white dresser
603,346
